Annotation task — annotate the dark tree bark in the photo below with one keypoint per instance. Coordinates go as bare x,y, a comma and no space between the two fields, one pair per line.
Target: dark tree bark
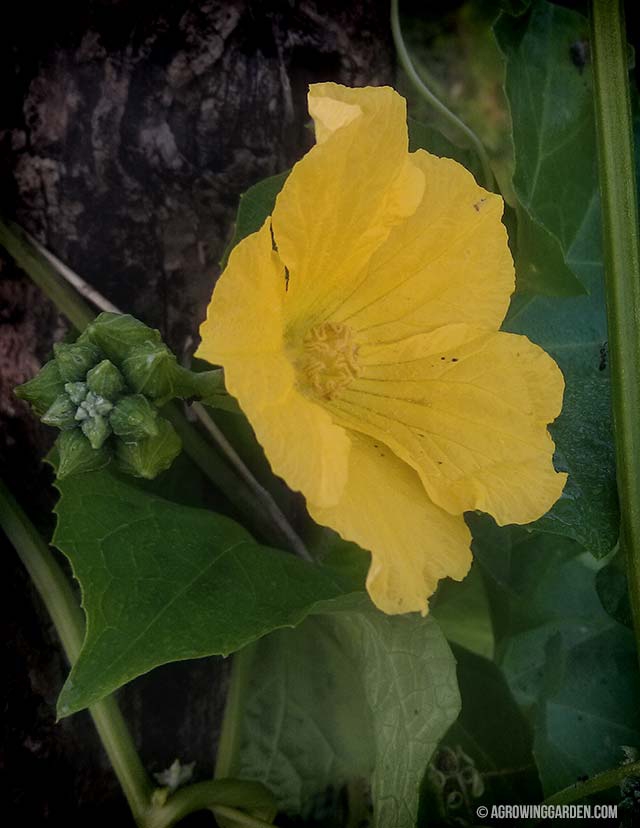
128,130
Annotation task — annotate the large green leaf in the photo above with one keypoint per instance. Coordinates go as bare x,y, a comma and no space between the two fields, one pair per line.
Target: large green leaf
343,698
457,55
462,611
255,205
573,331
163,582
551,104
555,179
564,658
486,755
556,182
588,711
423,136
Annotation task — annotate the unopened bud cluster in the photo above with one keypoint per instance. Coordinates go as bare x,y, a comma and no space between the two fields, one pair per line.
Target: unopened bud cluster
104,393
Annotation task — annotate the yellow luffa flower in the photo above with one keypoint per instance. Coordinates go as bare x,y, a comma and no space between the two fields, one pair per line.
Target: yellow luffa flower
358,330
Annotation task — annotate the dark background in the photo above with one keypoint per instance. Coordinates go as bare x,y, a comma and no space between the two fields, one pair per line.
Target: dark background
127,132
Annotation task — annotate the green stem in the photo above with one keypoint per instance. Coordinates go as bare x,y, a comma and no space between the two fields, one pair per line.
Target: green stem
66,299
436,103
601,782
622,267
229,741
55,591
240,818
217,795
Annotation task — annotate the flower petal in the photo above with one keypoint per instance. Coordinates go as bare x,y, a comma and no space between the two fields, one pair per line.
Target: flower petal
448,263
303,446
243,333
467,409
341,200
413,543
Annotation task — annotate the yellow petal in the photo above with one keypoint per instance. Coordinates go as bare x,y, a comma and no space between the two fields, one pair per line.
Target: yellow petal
413,543
243,333
448,263
302,444
467,409
245,313
341,200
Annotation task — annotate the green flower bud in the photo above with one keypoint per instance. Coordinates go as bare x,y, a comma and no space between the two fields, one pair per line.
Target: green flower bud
134,418
75,360
61,413
106,380
75,455
96,429
151,369
116,334
42,391
147,458
93,405
77,391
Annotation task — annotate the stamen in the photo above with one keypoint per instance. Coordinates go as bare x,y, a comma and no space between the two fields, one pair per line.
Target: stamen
330,362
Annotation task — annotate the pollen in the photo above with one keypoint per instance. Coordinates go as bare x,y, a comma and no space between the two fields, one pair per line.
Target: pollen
330,359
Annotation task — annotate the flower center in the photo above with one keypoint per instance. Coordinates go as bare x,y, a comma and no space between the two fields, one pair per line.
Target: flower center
330,358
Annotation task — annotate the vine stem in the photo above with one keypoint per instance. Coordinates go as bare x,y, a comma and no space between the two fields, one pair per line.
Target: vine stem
240,818
229,742
601,782
54,590
622,268
458,124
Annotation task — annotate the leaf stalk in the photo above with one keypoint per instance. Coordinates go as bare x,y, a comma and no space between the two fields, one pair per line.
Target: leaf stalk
622,267
601,782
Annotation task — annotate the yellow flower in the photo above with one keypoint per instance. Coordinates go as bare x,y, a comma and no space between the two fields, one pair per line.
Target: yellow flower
358,330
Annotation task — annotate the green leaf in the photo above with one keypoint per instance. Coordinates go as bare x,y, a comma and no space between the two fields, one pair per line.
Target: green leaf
563,657
539,260
555,177
537,585
462,611
422,136
492,743
349,695
613,589
163,582
588,710
556,181
574,332
255,205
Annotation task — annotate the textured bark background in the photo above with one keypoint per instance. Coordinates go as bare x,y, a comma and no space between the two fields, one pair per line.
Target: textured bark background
128,130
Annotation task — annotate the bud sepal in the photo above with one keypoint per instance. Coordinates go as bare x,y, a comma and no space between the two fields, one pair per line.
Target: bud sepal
41,391
147,458
106,390
134,418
